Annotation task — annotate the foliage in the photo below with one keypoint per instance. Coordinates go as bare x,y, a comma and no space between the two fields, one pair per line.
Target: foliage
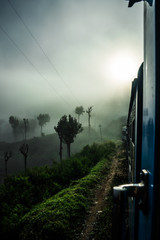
103,226
61,216
95,152
22,192
67,129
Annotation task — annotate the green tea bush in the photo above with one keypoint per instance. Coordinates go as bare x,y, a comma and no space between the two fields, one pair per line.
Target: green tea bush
61,216
96,152
23,191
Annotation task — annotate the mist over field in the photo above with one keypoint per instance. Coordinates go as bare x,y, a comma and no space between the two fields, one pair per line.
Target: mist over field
58,55
102,114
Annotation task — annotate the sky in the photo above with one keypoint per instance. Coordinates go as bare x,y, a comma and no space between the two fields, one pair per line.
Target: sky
59,54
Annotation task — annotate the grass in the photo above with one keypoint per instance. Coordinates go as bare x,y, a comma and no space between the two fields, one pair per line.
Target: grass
103,226
61,216
60,194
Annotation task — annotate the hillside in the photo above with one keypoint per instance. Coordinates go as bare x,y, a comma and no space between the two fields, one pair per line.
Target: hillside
71,200
45,150
42,151
27,200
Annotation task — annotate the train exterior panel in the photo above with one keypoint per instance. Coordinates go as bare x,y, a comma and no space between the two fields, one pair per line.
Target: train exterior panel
149,111
140,198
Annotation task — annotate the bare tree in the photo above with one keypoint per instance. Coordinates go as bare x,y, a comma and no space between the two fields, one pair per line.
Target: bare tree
24,151
88,111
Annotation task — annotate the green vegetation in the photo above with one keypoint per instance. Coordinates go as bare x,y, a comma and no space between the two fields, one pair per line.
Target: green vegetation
103,226
32,204
61,216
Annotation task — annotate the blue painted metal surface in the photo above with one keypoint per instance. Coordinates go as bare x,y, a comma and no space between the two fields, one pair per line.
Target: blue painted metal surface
148,157
149,111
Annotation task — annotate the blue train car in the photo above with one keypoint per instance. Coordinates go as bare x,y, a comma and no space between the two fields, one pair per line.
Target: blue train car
137,204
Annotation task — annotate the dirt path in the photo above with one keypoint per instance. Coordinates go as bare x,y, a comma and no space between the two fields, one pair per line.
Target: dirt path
99,201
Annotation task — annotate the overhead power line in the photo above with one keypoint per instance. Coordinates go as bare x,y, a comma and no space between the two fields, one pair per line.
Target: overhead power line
44,53
30,62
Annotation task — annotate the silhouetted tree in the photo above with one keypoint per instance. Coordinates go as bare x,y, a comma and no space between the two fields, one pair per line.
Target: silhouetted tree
60,130
67,129
24,151
79,111
42,120
14,122
88,111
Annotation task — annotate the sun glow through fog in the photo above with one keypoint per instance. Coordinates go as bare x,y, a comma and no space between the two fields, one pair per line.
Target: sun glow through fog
123,68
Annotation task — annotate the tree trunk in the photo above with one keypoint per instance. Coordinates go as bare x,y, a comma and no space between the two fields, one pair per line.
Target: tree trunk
68,149
60,149
25,163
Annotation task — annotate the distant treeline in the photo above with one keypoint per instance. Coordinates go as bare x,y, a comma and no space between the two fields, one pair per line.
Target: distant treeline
28,127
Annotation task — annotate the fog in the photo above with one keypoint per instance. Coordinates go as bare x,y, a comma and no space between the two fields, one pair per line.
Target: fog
55,55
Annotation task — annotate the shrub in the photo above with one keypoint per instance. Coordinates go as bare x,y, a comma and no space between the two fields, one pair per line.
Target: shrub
61,216
96,152
21,192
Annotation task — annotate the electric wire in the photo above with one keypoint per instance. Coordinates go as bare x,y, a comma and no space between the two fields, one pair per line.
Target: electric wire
44,53
30,62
